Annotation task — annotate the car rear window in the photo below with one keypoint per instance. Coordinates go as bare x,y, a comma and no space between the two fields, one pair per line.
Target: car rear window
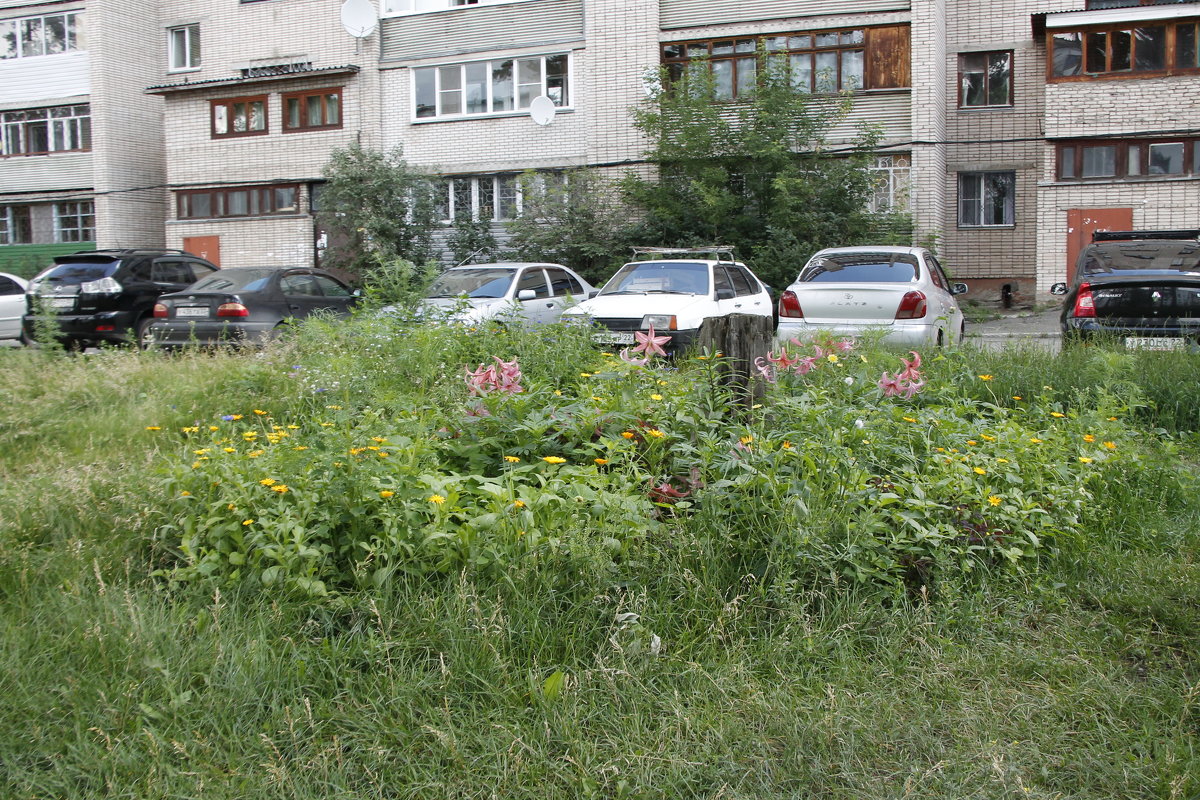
234,280
73,273
1141,256
861,268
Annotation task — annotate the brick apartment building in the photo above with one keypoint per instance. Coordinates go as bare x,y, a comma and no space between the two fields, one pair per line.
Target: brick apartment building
1010,129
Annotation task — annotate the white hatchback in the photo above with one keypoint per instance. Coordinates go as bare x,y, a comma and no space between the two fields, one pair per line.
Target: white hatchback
675,295
901,292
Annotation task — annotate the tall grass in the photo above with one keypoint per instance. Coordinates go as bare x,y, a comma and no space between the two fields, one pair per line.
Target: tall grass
683,673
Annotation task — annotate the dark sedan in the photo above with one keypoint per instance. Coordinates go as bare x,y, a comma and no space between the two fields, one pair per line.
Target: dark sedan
1138,288
246,305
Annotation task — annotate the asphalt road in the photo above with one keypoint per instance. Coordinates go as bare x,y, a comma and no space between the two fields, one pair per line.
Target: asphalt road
1018,329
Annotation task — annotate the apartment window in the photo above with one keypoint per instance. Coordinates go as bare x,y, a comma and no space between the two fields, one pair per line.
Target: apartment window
306,111
396,7
46,35
239,201
1128,158
74,222
239,116
16,226
1153,48
45,130
985,199
893,179
183,47
985,80
492,198
490,87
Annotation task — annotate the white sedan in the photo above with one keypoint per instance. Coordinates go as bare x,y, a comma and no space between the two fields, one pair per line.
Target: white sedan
532,293
901,292
12,305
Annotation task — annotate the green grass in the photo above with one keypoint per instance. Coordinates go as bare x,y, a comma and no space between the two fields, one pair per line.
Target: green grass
686,668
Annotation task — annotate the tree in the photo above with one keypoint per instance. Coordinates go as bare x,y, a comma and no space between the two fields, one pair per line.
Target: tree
376,210
756,174
471,239
575,219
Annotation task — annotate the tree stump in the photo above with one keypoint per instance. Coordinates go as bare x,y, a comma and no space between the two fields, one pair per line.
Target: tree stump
740,338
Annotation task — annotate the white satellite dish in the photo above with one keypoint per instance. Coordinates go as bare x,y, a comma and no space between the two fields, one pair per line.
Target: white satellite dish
358,18
542,110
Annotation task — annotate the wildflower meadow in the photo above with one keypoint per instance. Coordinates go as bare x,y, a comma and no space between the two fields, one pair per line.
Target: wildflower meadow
387,559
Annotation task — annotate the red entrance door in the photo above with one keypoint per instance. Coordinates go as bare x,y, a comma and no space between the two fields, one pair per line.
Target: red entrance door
1082,222
207,247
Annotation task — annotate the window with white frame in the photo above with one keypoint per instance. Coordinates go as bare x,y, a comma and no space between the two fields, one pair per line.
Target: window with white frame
45,35
400,7
492,198
490,87
74,222
986,199
183,47
46,130
893,180
15,225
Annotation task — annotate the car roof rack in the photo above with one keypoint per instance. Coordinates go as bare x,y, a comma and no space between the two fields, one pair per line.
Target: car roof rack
1137,236
714,252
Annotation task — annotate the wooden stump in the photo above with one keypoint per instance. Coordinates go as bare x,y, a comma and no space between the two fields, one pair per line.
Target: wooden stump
740,338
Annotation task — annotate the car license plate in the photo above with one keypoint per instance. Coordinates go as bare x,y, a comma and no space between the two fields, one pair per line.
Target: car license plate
191,311
1154,342
62,302
613,337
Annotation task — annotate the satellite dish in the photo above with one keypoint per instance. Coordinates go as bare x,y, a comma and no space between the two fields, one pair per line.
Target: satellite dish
542,110
358,18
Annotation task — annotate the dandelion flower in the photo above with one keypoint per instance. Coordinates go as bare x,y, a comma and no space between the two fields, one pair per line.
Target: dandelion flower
280,488
512,459
1084,460
229,449
600,461
656,433
980,471
1089,438
628,434
554,460
386,493
185,493
986,377
656,397
436,499
994,500
247,522
1111,445
268,481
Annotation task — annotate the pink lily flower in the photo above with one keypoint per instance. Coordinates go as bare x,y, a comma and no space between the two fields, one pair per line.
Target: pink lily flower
911,388
910,372
805,365
767,372
889,385
844,345
650,344
637,362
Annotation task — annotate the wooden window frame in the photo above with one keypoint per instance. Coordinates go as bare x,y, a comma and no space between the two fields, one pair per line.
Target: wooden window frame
73,125
1170,67
228,104
219,202
304,95
987,82
1191,159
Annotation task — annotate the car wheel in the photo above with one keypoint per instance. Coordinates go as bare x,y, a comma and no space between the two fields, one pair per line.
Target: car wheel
145,339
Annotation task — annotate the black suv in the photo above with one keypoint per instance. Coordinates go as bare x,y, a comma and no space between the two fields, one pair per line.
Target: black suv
99,296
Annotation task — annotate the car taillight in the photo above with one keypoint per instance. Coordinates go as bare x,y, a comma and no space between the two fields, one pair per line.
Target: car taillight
102,286
789,305
1085,304
232,310
160,310
912,306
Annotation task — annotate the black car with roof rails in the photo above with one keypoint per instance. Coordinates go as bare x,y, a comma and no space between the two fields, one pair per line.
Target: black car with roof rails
96,296
1140,289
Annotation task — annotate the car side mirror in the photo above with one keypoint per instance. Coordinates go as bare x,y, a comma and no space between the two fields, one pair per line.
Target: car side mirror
1058,288
592,293
526,294
958,288
725,294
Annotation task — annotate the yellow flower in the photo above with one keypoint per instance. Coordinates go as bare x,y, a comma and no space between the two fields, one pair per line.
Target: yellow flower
260,412
436,499
255,453
230,507
154,427
702,358
756,405
280,488
235,417
379,440
185,493
384,454
585,374
1001,460
518,503
512,459
386,493
201,451
293,427
1057,414
971,442
985,377
1016,397
558,392
832,358
628,434
195,465
1035,440
191,429
600,461
908,419
554,460
655,432
656,397
1112,419
326,424
940,449
334,408
1111,445
1085,460
1089,438
247,522
980,471
214,428
248,435
300,447
786,445
746,439
229,449
597,398
994,500
268,481
987,438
